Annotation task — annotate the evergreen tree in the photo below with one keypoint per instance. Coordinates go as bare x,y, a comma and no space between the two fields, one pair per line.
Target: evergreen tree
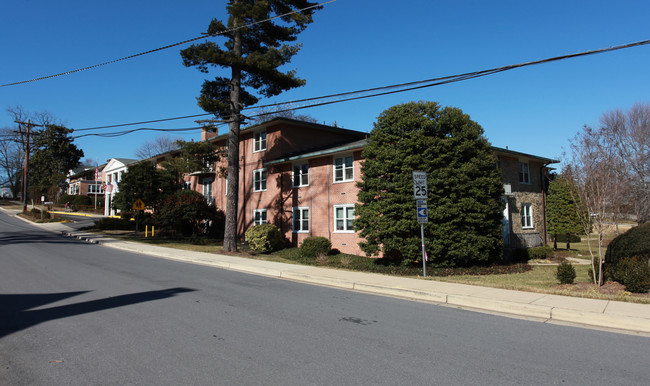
145,182
54,156
193,157
253,54
465,187
561,214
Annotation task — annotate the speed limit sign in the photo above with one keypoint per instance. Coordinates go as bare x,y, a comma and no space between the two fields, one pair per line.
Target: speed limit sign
420,191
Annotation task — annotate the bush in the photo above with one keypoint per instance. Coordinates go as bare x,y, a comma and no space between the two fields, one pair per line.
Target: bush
540,252
634,274
264,238
633,243
565,273
36,213
114,224
65,198
314,246
188,213
81,201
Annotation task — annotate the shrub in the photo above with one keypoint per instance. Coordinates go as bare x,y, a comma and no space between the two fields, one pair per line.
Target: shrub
314,246
565,273
264,238
633,243
65,198
540,252
36,213
188,213
81,201
109,223
634,274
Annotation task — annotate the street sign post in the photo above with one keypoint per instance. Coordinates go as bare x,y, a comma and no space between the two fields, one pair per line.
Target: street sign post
421,194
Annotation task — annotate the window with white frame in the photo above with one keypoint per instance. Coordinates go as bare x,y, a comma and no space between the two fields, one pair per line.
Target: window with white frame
95,189
301,219
207,189
343,169
259,141
259,180
526,216
524,172
300,175
344,218
259,217
187,185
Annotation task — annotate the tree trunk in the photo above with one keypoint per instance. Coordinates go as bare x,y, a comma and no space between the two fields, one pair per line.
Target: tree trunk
230,231
568,242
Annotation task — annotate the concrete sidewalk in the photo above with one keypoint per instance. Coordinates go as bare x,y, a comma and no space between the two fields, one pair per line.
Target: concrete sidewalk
594,313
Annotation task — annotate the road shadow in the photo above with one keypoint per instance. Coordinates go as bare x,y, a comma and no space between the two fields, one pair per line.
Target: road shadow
8,238
16,312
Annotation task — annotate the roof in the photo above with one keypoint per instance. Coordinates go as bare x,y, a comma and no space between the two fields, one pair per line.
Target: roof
519,154
357,145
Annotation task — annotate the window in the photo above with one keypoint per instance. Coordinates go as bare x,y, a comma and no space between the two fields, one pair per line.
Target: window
524,173
344,218
526,216
343,170
301,219
207,189
259,217
259,180
187,185
259,141
301,175
95,189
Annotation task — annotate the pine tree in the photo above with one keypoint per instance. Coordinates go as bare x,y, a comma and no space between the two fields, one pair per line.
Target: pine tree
561,214
253,54
54,156
465,187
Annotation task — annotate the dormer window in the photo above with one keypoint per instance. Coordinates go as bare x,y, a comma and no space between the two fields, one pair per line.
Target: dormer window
259,141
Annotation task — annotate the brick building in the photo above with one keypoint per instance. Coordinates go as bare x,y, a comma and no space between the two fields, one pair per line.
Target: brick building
302,177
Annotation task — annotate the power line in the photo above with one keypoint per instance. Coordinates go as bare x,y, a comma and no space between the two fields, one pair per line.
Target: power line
165,47
396,88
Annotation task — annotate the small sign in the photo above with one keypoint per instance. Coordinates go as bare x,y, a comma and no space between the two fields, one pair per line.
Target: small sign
423,214
138,205
420,191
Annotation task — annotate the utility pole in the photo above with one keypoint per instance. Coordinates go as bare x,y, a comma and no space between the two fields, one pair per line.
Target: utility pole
29,125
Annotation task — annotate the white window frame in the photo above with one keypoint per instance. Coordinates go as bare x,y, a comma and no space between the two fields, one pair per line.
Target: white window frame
259,141
303,174
344,219
259,178
524,172
208,189
95,189
301,210
527,216
259,217
343,168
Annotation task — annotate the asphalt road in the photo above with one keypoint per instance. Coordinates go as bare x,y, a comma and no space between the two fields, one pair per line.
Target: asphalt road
78,314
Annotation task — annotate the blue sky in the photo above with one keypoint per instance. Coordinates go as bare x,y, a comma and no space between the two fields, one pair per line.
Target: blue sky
352,44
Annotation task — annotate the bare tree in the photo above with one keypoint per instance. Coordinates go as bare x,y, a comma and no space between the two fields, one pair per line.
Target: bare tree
158,145
284,111
593,172
13,142
627,137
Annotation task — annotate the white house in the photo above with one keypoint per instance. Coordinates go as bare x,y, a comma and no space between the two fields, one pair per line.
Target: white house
112,175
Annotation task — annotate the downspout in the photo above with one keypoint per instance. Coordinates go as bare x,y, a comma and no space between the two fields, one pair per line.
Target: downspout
543,183
329,219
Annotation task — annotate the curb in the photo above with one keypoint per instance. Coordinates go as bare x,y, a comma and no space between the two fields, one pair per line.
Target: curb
544,313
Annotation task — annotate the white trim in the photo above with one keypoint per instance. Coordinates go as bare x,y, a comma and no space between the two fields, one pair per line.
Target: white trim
293,223
344,219
293,174
259,141
263,213
527,216
262,181
343,168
